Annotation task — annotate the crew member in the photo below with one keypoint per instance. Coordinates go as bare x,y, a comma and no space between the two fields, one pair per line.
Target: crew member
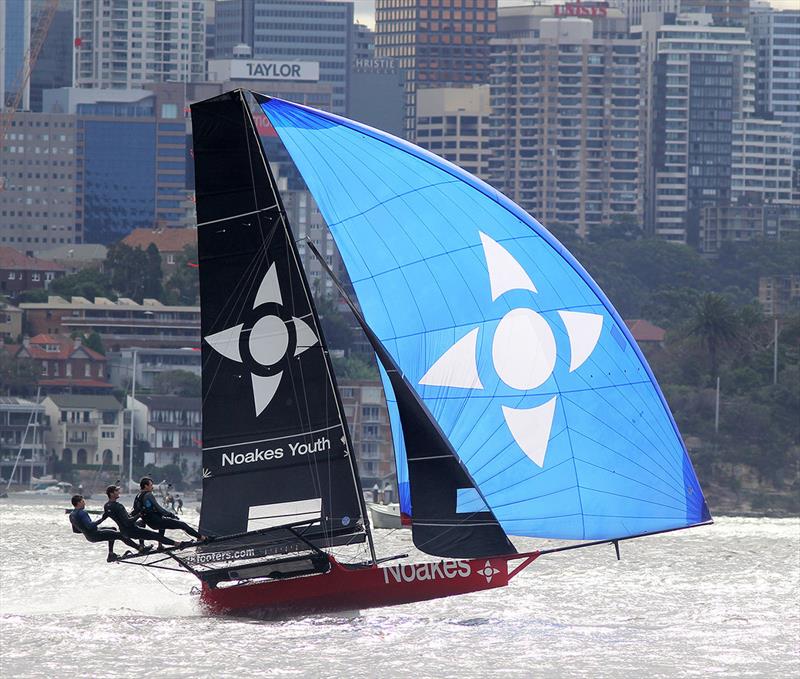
81,523
155,516
127,526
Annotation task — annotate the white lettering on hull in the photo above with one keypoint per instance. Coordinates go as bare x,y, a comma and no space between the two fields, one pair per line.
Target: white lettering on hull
419,572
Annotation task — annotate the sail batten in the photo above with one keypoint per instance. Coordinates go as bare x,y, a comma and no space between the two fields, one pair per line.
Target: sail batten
435,254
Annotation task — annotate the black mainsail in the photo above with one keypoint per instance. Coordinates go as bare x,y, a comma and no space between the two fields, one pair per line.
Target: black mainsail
275,441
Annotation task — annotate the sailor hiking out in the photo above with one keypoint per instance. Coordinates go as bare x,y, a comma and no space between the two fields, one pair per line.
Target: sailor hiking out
127,525
146,507
82,523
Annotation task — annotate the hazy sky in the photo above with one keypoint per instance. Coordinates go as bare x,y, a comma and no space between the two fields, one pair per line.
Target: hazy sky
365,9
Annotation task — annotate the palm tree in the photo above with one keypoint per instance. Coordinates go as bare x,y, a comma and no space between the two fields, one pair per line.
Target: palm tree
715,323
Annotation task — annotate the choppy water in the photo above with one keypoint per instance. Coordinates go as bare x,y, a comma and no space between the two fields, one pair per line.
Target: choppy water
720,601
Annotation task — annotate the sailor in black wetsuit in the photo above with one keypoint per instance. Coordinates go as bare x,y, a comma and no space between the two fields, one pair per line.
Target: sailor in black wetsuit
81,523
127,526
155,516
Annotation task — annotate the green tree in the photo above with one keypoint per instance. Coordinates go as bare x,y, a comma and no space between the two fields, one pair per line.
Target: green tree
17,375
178,382
88,283
35,296
152,285
95,342
715,324
135,273
183,286
621,227
355,367
336,325
171,473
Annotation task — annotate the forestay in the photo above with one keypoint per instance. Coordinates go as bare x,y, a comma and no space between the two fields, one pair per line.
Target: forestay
523,362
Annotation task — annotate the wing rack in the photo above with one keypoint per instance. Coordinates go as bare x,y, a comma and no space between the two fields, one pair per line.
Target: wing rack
278,552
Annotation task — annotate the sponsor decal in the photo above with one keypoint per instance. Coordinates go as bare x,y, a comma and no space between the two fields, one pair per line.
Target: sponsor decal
418,572
523,355
576,9
292,449
488,571
266,342
201,558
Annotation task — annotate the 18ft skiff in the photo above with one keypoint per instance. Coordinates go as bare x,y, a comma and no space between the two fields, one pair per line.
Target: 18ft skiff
519,402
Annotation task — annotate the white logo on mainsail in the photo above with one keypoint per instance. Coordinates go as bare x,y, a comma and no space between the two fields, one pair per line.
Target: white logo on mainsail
267,343
523,352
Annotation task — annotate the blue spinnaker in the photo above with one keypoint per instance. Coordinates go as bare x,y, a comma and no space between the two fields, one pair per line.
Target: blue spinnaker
518,355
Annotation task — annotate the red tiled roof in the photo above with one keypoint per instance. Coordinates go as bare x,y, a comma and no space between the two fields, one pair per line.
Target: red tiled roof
19,261
166,240
645,331
66,348
75,382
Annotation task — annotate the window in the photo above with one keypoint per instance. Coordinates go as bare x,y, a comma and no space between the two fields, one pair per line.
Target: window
169,110
87,370
370,412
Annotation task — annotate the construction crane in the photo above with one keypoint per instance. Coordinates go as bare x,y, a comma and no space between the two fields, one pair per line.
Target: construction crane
28,62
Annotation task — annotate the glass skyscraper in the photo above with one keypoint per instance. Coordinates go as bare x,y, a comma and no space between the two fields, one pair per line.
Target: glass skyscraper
291,30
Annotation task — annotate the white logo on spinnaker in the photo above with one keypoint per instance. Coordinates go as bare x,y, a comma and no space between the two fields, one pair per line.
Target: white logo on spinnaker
523,352
268,341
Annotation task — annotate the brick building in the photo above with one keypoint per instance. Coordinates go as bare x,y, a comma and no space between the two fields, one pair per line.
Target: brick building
170,244
19,272
66,365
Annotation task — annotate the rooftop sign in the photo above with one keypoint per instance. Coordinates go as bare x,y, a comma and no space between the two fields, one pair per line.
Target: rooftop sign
253,69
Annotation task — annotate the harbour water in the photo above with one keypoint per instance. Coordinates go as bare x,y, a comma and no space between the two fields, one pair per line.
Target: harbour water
718,601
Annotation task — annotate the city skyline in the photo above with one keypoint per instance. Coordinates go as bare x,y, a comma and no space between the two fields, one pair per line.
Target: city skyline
364,10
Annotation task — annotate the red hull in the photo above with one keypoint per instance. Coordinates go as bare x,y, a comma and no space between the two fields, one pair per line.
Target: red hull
347,588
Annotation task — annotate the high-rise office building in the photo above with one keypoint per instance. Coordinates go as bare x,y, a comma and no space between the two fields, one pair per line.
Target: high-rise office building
129,42
453,122
363,42
776,36
53,67
38,179
376,94
291,30
130,152
634,9
567,117
702,78
725,12
15,35
438,44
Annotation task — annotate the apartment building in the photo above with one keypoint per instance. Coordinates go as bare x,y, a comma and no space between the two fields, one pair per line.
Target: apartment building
567,117
454,123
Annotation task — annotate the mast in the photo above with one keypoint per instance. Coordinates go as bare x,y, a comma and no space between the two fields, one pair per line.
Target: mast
331,375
